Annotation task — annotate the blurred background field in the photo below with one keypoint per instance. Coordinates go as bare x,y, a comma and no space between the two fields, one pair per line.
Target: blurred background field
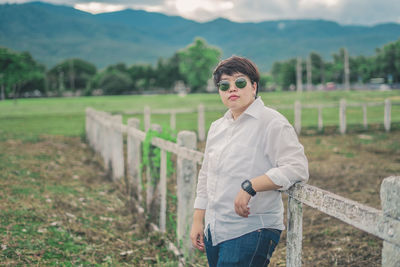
55,194
28,118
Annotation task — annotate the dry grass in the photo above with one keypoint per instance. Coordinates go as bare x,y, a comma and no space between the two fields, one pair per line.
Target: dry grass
352,166
57,206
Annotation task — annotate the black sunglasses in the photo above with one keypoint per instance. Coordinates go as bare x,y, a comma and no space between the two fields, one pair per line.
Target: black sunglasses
224,84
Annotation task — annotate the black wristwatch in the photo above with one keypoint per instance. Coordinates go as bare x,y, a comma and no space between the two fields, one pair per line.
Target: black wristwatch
248,187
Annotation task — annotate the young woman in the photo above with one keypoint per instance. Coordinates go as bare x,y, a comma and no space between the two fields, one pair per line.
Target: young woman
252,154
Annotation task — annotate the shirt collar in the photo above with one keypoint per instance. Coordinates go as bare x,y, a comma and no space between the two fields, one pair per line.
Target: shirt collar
252,110
255,108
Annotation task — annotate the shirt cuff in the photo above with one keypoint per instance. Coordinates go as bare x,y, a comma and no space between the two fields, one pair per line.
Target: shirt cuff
278,178
200,203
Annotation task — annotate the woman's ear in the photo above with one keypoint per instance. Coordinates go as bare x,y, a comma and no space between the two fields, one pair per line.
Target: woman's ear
255,88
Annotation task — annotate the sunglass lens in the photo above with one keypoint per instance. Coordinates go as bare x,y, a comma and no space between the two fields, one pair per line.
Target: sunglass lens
223,86
241,83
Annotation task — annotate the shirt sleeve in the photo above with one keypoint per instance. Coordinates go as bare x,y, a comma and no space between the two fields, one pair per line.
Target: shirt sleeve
201,201
290,165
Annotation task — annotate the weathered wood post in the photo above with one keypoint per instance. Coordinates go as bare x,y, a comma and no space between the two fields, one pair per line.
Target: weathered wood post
149,180
294,235
163,191
390,199
365,118
387,119
309,73
134,159
346,70
88,125
201,123
299,74
297,116
117,148
172,121
342,116
320,121
97,131
186,187
147,118
106,139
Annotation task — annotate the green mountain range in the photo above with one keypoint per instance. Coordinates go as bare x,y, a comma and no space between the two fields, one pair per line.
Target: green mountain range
52,33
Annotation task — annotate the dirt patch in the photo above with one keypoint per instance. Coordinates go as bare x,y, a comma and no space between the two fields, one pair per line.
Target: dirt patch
58,207
352,166
55,193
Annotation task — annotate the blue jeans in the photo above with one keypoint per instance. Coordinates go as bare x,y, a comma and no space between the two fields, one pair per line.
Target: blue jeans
251,250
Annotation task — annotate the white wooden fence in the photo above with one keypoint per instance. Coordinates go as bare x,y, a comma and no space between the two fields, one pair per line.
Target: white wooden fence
297,107
105,134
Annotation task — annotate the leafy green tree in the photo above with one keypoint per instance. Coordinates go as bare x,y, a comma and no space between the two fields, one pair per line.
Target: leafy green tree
361,69
20,73
266,81
388,61
318,68
196,63
168,72
143,77
74,74
284,73
114,82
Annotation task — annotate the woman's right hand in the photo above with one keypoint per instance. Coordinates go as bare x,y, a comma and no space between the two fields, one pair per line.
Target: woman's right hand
197,235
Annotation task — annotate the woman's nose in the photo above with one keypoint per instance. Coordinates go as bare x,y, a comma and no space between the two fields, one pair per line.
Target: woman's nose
233,88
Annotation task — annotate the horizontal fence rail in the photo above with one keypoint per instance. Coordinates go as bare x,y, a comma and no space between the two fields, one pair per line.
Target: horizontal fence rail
297,107
105,135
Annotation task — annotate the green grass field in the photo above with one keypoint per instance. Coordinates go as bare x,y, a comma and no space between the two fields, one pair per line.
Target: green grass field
28,118
58,207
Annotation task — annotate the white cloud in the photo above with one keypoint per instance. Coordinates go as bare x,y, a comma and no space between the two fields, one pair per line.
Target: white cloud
367,12
96,7
314,3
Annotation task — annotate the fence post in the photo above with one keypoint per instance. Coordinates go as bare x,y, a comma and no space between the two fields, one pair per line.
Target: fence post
342,116
390,199
320,121
134,159
96,132
299,71
117,148
147,118
186,187
387,118
365,118
88,125
163,190
149,183
294,235
105,140
297,116
201,123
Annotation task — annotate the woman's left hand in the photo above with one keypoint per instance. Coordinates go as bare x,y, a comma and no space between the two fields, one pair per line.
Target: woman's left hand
241,201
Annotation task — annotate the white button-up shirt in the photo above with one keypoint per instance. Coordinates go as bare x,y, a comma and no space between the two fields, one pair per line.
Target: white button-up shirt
260,141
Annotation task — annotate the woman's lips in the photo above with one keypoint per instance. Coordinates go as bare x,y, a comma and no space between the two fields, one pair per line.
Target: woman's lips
233,97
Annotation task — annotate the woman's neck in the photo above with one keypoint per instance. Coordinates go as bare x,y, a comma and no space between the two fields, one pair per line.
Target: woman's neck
237,112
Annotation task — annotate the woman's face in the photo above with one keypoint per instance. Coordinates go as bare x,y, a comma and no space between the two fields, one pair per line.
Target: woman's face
237,99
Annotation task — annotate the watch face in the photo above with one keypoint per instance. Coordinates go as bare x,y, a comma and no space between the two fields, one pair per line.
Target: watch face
246,184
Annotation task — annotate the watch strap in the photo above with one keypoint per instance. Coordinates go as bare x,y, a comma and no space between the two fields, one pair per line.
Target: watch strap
249,189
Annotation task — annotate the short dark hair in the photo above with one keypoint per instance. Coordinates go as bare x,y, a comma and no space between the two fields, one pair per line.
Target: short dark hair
236,64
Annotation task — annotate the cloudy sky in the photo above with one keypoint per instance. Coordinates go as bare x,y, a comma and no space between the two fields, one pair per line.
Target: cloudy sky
364,12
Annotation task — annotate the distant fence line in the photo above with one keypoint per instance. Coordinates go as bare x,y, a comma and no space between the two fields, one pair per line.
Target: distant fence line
105,134
297,107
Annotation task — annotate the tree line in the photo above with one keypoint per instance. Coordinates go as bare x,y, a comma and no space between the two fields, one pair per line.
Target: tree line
21,75
385,65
